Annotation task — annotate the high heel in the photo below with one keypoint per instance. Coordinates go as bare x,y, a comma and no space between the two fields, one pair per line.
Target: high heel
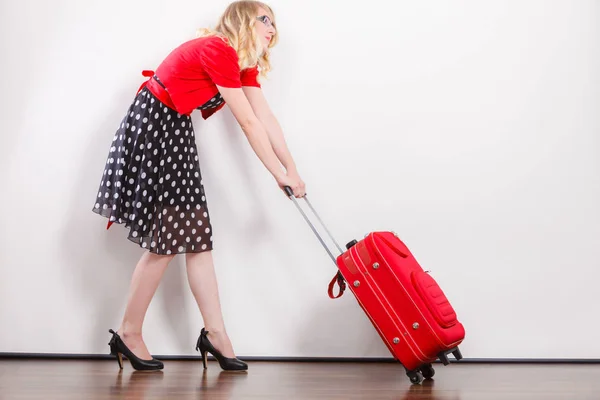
228,364
118,348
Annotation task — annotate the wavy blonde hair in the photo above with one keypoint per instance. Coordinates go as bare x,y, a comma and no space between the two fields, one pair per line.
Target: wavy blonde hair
237,25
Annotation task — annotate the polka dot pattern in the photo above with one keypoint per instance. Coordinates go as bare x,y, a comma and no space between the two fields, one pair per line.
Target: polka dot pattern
152,181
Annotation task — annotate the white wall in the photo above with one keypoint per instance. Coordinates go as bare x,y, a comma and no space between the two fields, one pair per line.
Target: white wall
470,128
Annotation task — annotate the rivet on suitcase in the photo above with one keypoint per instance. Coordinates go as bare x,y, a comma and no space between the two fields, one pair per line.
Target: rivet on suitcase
404,303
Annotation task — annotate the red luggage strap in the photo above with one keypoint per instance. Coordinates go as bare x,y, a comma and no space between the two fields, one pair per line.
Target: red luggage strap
341,283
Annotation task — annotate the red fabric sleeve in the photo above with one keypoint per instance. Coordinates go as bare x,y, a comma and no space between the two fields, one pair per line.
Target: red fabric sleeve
249,77
220,62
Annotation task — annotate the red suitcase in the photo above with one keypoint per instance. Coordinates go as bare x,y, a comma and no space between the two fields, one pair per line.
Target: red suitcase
403,302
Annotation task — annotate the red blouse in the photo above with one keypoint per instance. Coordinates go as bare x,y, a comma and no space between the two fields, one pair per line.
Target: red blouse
191,72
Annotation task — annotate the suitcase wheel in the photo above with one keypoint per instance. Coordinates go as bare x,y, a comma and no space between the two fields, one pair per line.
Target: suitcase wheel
427,371
415,377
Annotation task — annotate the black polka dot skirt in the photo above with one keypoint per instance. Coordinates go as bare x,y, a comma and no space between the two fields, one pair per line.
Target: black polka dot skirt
152,181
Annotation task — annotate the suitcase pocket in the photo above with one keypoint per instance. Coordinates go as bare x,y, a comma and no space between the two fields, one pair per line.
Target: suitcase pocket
435,299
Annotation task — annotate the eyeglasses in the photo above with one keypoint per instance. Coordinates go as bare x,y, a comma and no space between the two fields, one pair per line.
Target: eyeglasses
265,20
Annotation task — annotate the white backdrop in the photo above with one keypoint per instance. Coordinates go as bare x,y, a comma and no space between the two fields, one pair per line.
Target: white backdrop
470,128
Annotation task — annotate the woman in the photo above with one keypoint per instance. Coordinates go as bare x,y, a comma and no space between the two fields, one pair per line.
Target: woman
152,181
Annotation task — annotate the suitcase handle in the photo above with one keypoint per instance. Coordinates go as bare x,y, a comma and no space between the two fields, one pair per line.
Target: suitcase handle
290,194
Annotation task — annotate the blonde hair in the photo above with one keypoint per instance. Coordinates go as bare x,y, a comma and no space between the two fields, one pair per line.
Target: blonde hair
237,25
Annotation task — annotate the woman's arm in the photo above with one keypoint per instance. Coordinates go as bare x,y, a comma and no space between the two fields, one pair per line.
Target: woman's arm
259,139
267,118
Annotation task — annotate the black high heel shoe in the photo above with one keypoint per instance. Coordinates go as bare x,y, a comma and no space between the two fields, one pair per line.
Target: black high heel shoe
228,364
118,348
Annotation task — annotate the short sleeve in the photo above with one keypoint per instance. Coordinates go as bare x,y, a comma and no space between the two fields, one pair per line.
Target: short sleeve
220,62
249,77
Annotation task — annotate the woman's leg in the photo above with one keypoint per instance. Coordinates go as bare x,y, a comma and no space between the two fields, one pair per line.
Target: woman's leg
203,283
144,282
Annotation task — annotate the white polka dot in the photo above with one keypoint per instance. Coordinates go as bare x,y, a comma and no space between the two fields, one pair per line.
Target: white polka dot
137,117
169,236
181,231
164,229
174,242
200,222
170,218
134,234
144,245
188,223
97,205
175,225
204,247
199,239
207,230
180,249
183,124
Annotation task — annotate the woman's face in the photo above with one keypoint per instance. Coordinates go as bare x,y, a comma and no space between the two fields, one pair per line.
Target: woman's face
264,27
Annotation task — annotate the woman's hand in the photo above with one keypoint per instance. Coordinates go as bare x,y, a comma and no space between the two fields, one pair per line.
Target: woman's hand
293,180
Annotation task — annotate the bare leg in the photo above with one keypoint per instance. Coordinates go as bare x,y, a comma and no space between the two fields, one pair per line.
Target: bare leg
144,282
203,283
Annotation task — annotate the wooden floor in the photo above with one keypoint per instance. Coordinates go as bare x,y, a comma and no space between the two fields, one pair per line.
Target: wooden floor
94,380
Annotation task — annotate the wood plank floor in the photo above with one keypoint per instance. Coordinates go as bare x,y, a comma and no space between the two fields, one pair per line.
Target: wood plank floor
95,380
